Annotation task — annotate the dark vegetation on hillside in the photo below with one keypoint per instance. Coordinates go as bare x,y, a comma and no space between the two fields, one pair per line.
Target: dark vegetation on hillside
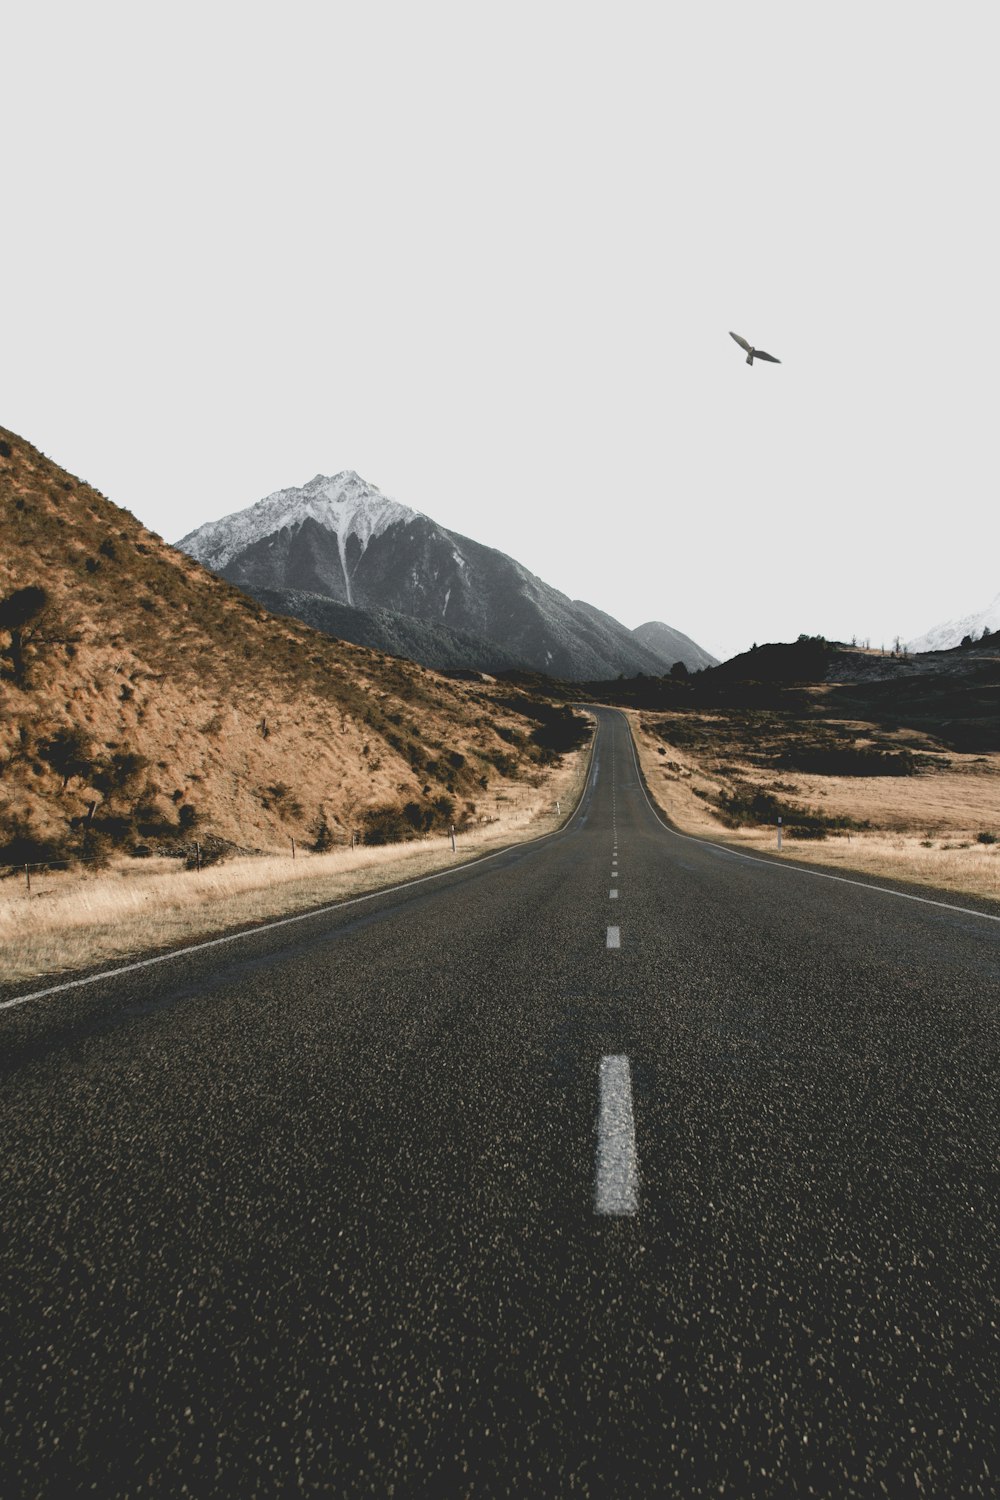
953,697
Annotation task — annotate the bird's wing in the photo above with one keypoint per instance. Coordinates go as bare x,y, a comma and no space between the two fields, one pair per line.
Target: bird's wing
742,342
759,354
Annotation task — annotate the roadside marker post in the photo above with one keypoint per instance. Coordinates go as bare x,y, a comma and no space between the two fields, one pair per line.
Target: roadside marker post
779,833
453,838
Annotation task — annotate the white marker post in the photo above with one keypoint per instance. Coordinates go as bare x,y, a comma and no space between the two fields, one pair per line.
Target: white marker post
779,833
452,838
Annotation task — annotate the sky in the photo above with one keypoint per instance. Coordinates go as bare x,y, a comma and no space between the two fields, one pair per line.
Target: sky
489,257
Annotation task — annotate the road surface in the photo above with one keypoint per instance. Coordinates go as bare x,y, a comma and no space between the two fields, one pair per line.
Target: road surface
617,1164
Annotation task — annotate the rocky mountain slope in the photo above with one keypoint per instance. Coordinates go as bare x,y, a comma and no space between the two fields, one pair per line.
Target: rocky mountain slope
342,538
953,632
386,630
143,700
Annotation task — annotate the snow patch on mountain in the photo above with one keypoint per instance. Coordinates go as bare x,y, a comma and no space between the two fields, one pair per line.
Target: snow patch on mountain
342,503
953,632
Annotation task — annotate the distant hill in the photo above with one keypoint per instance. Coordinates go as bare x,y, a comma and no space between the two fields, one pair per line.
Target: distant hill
341,537
144,700
671,646
952,697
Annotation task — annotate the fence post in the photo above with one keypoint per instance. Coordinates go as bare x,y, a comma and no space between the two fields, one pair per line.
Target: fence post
197,857
27,876
293,848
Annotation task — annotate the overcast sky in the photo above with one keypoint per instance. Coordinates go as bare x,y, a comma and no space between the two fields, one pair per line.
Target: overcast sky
488,256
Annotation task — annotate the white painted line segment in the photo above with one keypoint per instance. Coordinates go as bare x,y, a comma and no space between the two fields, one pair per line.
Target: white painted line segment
614,937
613,895
616,1188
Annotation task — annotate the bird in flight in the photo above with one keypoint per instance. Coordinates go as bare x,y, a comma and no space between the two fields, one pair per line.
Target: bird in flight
752,352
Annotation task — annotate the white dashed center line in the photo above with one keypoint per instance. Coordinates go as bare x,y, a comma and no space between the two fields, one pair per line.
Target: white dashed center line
614,938
613,895
616,1188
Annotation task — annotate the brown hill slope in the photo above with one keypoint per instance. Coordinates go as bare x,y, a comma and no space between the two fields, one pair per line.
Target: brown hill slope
142,699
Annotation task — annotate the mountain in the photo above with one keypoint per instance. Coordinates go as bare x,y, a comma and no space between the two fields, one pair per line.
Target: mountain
143,700
342,538
671,646
953,632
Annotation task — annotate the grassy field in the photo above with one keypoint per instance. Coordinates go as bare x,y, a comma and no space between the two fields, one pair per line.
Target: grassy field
933,827
74,920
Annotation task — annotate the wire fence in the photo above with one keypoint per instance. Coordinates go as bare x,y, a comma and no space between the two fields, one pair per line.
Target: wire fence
199,854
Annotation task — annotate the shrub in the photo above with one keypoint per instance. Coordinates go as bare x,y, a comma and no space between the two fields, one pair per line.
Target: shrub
323,837
986,838
120,772
69,753
848,760
385,825
419,818
444,808
750,804
282,800
21,616
22,844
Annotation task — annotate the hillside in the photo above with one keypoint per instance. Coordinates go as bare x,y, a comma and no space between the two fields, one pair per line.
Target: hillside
340,537
144,700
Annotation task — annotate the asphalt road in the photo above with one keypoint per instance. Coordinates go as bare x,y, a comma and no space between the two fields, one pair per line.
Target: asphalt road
440,1194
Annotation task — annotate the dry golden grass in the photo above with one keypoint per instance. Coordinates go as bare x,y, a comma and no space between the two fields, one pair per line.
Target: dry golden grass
72,921
925,827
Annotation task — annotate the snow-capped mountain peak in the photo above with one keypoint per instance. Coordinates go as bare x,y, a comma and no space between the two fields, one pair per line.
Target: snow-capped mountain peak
339,541
953,632
344,504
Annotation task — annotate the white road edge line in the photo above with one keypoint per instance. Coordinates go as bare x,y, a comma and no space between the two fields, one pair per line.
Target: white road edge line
774,864
303,916
616,1186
